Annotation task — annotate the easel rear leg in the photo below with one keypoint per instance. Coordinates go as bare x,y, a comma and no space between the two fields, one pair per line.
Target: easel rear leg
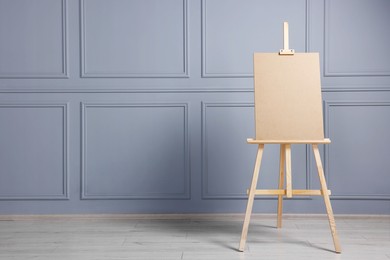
281,184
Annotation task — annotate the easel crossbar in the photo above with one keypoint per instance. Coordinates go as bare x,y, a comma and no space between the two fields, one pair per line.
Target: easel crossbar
294,192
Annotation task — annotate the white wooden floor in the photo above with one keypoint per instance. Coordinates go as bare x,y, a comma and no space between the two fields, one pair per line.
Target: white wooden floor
190,237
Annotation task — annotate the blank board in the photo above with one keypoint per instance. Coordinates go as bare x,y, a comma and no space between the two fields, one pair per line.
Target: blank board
288,102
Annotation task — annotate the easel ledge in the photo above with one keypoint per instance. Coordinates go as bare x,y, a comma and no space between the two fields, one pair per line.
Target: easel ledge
253,141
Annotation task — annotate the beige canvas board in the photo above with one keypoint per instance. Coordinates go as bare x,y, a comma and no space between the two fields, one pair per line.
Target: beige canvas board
288,102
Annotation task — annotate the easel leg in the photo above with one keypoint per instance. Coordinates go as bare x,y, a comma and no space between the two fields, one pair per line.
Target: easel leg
325,194
251,197
288,171
281,184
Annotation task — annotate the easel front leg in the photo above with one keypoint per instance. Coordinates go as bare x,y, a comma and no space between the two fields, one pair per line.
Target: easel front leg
251,197
281,184
325,194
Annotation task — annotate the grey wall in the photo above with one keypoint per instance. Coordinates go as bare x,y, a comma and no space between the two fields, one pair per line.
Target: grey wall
145,106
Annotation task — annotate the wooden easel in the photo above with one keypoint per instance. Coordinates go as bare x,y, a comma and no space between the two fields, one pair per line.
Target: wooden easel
288,110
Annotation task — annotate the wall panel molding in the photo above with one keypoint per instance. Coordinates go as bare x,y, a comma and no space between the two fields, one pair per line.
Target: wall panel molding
363,139
144,90
356,88
63,194
86,73
64,73
185,186
205,169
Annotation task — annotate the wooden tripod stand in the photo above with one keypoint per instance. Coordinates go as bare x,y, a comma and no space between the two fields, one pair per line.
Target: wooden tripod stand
285,173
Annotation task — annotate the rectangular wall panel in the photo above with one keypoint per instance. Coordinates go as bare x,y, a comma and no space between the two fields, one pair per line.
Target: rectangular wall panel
352,32
33,41
134,38
135,151
233,30
228,161
358,158
33,151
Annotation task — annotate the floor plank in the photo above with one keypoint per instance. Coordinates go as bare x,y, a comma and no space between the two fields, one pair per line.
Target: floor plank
186,237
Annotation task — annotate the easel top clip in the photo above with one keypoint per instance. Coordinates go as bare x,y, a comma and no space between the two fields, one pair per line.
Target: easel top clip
286,50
